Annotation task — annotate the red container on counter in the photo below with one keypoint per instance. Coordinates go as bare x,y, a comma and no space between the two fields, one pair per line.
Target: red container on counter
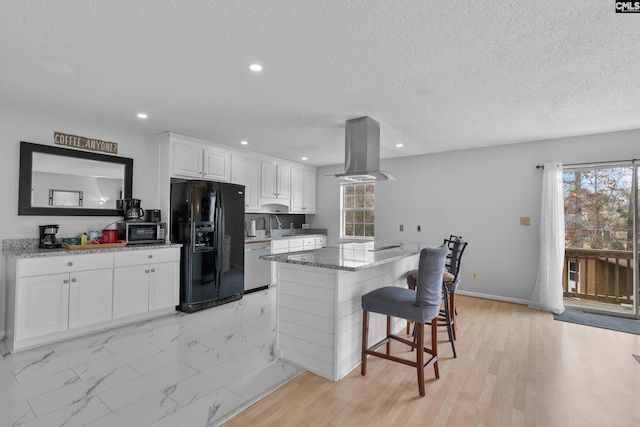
109,236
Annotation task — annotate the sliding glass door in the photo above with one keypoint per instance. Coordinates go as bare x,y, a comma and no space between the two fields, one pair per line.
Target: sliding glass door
601,238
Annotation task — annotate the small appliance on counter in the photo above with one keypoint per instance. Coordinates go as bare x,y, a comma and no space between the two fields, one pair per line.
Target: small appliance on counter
136,232
153,215
48,239
109,236
131,209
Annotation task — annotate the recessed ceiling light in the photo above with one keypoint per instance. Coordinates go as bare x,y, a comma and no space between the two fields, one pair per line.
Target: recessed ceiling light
255,67
142,116
243,142
399,145
304,158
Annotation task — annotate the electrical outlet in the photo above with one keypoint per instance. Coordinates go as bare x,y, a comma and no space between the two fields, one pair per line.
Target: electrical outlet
474,276
525,221
401,227
419,228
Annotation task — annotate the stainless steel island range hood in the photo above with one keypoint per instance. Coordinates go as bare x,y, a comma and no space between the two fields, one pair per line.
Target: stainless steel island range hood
362,151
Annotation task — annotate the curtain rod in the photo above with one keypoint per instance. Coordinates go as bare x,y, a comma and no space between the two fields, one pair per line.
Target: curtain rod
592,163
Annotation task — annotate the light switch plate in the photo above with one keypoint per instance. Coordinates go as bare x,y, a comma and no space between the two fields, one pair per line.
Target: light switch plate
525,220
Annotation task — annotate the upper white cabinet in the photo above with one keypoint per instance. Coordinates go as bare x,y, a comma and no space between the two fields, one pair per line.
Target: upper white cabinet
187,159
275,186
269,183
303,191
246,171
190,159
216,165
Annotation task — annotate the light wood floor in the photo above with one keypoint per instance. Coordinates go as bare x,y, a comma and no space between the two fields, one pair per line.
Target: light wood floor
515,367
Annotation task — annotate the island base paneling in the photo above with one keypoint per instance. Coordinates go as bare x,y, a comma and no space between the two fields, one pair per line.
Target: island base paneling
320,314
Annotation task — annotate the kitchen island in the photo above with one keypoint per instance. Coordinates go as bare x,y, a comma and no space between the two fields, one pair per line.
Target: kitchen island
318,301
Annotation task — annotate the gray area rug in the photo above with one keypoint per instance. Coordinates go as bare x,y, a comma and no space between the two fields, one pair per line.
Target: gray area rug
599,321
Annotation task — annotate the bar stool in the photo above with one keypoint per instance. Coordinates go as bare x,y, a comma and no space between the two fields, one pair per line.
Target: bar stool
421,306
450,283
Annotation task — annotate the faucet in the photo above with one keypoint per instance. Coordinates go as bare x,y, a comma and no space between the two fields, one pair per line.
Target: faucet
277,220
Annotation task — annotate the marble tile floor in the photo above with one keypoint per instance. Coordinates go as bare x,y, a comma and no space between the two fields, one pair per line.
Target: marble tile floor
184,369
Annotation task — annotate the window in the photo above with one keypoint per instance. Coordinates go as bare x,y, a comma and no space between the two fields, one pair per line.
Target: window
357,210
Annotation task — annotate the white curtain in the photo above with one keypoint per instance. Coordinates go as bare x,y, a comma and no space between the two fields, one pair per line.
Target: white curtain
547,294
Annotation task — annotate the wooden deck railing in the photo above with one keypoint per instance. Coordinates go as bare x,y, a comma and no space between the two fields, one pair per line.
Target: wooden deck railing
602,275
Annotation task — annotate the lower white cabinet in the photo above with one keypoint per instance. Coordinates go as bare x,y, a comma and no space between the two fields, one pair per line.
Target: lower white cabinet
42,305
57,297
145,281
130,291
90,299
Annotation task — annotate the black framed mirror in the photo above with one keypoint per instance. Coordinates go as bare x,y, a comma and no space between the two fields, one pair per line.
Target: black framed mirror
85,183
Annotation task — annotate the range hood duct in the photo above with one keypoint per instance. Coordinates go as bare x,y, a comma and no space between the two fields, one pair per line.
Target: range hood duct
362,151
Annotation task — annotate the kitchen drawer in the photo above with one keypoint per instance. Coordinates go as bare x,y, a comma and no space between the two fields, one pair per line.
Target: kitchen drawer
279,246
309,242
151,256
63,264
321,242
296,244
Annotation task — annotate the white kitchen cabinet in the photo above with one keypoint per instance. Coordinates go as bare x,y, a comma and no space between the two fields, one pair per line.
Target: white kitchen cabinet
164,285
56,297
216,165
42,305
45,296
130,291
191,159
145,281
275,183
303,191
90,297
187,159
246,172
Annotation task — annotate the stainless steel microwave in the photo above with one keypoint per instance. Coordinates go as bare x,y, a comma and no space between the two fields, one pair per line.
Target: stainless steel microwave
134,232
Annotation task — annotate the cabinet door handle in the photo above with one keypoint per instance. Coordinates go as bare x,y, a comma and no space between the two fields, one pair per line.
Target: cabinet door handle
150,256
74,280
146,271
69,263
153,270
65,281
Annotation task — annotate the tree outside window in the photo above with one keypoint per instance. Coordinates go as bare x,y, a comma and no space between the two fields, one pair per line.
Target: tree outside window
358,207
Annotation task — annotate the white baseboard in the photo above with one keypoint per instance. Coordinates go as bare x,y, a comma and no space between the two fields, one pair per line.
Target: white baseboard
493,297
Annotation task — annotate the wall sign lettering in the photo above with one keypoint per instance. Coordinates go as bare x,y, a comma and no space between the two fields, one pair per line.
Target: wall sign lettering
85,143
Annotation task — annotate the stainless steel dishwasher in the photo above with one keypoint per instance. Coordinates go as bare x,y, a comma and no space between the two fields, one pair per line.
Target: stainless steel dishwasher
257,273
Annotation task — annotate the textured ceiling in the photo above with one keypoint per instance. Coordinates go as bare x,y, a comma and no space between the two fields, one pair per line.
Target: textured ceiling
438,76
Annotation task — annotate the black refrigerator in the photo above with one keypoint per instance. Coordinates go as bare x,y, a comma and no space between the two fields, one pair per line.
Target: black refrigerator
208,219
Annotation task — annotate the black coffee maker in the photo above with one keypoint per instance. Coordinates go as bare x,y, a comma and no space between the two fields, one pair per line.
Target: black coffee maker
132,210
48,239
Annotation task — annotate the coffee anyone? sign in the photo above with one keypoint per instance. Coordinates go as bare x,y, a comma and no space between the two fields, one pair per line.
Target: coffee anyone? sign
85,143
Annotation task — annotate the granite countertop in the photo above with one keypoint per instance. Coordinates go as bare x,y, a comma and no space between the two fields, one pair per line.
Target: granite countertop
349,256
25,248
285,234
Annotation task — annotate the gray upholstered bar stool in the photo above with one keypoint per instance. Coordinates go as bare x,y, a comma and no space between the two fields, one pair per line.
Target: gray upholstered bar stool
420,306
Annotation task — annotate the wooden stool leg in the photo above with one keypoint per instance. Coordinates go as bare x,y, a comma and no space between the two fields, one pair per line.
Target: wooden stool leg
420,356
365,341
388,334
434,345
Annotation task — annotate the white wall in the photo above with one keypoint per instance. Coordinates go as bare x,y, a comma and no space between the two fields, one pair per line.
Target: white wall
38,127
479,194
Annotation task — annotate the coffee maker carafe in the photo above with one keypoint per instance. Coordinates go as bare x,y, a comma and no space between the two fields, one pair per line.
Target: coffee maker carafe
48,238
132,210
